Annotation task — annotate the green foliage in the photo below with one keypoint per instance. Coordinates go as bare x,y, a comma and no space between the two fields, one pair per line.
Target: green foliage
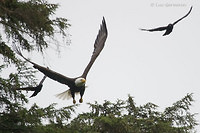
126,117
102,118
23,120
7,53
30,23
31,26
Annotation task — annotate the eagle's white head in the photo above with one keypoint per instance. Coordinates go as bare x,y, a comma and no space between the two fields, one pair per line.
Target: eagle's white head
80,82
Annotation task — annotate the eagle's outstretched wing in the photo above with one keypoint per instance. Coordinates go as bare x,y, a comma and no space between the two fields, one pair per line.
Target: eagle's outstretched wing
98,46
46,71
183,16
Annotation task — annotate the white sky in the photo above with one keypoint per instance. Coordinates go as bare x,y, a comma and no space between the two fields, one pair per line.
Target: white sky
148,66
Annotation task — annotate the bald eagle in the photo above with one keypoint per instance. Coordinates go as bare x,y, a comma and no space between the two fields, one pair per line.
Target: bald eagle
36,89
169,27
77,84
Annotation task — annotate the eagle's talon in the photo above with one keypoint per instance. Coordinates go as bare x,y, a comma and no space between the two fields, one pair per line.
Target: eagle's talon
74,101
81,100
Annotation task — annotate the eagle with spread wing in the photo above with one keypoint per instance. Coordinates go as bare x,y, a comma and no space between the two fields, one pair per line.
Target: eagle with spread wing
77,84
169,27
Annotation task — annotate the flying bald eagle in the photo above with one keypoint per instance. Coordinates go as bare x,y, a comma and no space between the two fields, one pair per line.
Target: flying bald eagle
36,89
169,27
76,85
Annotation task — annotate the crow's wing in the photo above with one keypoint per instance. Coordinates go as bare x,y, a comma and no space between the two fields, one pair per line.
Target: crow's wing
98,46
37,90
26,88
39,87
156,29
49,73
41,82
183,16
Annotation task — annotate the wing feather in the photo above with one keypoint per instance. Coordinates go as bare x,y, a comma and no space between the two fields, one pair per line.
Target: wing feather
98,46
183,16
156,29
46,71
41,82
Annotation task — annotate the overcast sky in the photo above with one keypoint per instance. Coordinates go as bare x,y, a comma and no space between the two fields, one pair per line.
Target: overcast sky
148,66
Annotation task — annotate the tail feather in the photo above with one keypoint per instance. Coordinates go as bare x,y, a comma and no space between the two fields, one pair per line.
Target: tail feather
65,95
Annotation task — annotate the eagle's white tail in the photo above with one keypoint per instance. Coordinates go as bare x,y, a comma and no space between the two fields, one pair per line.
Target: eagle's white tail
64,95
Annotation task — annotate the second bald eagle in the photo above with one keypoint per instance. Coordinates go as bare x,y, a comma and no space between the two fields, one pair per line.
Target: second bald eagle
76,85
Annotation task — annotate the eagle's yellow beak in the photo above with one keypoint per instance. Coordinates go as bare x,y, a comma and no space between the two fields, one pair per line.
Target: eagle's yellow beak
83,80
